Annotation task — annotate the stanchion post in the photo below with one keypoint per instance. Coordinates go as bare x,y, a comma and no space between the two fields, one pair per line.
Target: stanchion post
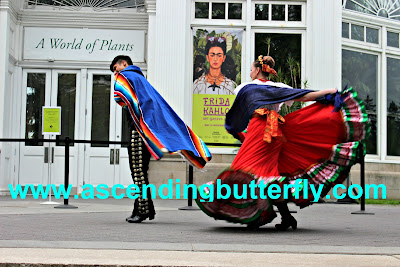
190,195
66,169
362,176
362,181
66,175
190,200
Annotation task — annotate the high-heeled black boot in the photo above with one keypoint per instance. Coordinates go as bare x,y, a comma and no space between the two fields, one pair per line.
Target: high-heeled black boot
287,219
145,209
134,211
141,217
254,225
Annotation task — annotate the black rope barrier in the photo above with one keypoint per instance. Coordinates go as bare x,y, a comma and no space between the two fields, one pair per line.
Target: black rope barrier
67,142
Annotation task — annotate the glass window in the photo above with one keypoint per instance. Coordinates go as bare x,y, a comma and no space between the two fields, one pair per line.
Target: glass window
94,4
372,35
35,97
278,12
234,11
345,30
128,3
101,109
357,7
66,100
294,12
46,2
393,107
381,8
201,10
218,10
286,50
393,39
126,133
357,32
360,71
261,12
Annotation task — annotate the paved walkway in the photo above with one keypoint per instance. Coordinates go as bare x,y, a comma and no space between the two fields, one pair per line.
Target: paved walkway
96,234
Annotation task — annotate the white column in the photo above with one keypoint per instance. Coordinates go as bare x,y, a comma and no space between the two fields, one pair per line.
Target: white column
3,60
172,55
4,17
323,44
151,39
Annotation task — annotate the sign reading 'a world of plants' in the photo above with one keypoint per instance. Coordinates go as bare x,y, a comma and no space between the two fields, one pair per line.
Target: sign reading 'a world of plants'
82,44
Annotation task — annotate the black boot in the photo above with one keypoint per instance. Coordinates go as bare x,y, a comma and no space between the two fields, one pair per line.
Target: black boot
254,225
287,219
145,209
141,217
134,211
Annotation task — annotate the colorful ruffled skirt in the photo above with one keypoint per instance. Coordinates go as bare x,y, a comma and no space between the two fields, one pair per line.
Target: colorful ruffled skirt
313,146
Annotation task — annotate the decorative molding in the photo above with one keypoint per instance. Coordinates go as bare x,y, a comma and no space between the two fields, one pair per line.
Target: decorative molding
133,21
98,5
71,65
11,8
350,15
151,6
4,3
12,60
389,9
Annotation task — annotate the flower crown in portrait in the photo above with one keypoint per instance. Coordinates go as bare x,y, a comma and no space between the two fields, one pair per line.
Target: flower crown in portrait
266,67
216,39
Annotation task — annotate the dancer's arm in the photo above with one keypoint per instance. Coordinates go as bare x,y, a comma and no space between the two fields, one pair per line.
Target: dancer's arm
313,95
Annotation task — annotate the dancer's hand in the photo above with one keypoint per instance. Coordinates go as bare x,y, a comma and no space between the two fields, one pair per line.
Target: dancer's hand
332,91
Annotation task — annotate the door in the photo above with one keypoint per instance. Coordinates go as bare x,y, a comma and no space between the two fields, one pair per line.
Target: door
44,162
105,121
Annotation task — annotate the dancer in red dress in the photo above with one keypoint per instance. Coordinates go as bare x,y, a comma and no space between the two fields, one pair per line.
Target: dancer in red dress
314,146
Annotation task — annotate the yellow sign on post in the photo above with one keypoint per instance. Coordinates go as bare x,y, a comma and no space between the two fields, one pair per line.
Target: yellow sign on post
51,120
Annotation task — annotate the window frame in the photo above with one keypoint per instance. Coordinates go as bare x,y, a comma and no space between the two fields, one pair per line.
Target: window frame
301,32
391,49
388,157
219,22
383,51
364,43
279,23
380,106
250,26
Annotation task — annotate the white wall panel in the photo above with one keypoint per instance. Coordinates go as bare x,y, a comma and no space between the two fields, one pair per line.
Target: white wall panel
171,58
4,31
4,76
151,39
323,53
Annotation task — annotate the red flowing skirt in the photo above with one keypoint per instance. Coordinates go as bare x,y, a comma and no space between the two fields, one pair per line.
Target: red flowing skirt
307,137
314,143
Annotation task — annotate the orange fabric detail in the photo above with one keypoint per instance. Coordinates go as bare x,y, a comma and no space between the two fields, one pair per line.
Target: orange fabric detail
271,128
267,68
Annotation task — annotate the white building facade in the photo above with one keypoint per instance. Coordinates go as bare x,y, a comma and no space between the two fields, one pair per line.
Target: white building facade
57,53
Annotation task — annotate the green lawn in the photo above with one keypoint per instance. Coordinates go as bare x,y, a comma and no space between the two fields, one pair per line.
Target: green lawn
382,201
